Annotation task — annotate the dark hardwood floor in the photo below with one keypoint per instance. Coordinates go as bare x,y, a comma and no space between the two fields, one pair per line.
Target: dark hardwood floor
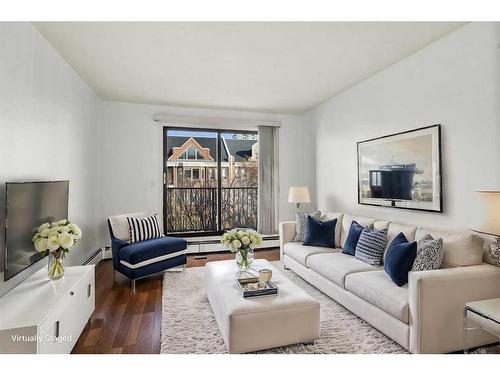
127,322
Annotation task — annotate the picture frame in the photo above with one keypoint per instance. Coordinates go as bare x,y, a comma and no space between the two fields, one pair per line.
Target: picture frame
402,170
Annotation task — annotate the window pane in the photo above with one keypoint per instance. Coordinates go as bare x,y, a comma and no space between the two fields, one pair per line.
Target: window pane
239,180
191,153
191,200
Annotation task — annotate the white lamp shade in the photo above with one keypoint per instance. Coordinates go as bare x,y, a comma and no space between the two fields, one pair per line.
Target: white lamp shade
298,194
491,223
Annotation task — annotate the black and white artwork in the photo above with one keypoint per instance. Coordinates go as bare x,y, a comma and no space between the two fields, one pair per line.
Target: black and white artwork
402,170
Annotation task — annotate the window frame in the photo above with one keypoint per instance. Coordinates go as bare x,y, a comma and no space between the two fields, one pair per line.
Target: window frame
218,176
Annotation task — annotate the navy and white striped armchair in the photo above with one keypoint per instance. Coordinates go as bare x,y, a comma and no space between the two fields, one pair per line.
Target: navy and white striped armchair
143,258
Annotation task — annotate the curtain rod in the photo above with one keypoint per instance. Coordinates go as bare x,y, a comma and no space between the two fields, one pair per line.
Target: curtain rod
213,121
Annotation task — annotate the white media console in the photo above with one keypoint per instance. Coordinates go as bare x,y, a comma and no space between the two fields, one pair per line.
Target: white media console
44,316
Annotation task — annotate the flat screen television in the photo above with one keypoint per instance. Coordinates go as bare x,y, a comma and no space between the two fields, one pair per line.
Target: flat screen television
27,206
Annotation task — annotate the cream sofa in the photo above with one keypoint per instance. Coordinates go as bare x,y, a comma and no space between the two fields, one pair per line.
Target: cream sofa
424,316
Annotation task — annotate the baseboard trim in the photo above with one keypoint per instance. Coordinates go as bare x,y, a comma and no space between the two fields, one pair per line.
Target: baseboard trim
94,258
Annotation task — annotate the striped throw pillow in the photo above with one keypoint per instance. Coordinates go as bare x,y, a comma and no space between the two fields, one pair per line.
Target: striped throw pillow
142,229
371,246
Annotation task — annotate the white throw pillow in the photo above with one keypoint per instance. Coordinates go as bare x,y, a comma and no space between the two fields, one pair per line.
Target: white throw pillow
120,226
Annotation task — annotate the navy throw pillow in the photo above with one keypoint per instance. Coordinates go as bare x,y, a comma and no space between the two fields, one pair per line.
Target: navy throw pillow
399,259
352,238
320,233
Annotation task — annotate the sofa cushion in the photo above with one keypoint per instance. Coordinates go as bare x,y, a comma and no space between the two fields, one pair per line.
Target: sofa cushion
371,245
120,227
146,250
377,288
300,253
335,267
301,224
346,224
461,248
381,224
352,238
399,259
320,233
338,216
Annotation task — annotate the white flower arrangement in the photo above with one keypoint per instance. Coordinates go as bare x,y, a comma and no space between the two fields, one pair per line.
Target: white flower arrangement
241,239
59,236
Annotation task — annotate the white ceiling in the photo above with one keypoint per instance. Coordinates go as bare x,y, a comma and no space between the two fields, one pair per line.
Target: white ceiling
265,66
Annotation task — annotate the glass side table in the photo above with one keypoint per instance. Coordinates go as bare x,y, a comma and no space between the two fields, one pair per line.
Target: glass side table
483,315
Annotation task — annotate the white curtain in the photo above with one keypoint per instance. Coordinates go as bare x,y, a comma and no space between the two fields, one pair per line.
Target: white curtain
268,180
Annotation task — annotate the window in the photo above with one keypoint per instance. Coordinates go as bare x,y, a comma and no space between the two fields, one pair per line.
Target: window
376,178
212,191
192,153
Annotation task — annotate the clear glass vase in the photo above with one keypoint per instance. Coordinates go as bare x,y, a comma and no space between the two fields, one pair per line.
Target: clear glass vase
244,259
56,265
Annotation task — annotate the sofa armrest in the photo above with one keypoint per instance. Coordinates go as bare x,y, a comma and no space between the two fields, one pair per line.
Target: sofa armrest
287,234
436,301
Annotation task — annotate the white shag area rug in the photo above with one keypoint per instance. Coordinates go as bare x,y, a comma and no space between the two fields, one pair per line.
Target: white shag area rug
189,327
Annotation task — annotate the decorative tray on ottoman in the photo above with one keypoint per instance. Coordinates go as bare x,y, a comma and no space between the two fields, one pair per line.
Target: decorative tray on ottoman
250,286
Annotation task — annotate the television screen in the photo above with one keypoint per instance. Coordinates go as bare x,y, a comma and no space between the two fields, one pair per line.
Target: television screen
28,205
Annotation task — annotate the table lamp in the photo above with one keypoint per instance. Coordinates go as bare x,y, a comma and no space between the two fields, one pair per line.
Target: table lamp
298,195
491,224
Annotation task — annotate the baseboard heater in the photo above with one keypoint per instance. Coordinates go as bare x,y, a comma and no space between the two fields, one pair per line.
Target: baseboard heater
213,245
94,258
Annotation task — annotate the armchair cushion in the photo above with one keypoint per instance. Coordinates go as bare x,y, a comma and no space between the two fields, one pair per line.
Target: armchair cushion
142,251
119,225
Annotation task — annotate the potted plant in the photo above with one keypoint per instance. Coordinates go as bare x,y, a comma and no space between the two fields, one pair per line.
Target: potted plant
242,242
56,239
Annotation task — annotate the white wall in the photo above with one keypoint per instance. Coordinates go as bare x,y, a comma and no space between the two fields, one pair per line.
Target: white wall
54,127
131,162
454,82
49,120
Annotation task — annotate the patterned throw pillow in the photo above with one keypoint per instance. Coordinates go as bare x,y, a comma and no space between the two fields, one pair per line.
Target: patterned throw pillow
371,246
301,224
429,254
142,229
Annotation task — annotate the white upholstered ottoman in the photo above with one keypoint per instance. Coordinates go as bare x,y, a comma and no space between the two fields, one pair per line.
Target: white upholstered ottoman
253,324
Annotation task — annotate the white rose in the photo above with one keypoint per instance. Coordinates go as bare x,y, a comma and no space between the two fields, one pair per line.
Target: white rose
53,243
53,232
61,222
63,229
245,240
236,244
45,232
41,244
75,230
42,227
66,240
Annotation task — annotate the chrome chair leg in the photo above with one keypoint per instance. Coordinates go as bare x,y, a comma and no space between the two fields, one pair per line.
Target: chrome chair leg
133,285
